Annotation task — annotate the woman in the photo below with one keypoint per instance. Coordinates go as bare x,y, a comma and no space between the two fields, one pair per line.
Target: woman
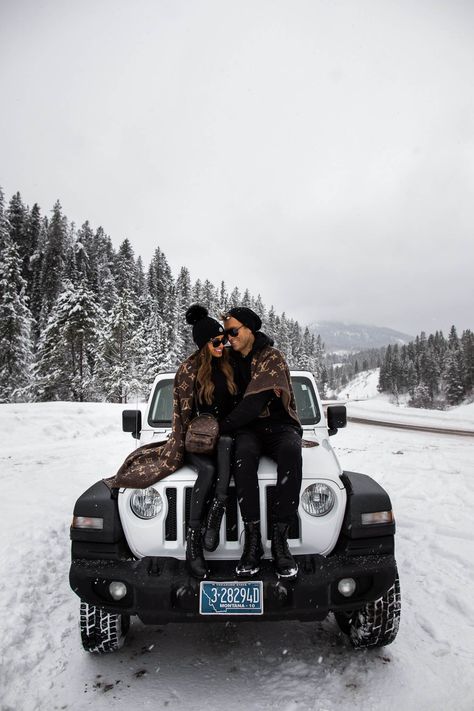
214,393
204,383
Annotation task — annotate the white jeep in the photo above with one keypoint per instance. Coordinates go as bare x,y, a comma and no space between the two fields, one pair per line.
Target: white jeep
128,545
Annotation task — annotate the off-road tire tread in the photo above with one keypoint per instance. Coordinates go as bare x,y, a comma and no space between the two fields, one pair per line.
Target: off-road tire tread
102,632
376,624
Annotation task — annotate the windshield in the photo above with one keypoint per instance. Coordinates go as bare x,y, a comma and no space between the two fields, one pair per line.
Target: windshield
161,409
306,403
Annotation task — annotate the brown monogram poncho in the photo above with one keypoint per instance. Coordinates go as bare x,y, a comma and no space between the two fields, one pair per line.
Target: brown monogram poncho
152,462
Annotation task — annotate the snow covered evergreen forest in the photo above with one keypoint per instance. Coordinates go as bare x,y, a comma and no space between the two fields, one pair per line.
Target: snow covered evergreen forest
435,371
82,321
429,372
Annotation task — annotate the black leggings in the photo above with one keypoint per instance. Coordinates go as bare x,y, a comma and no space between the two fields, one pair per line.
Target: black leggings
206,465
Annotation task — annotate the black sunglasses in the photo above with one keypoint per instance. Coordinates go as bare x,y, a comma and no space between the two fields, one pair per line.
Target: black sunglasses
219,341
233,332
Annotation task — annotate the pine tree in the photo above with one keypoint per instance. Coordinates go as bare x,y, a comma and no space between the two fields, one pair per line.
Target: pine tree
453,375
183,297
467,348
118,352
125,269
160,280
141,280
172,333
103,261
17,215
283,342
68,347
147,344
385,375
259,308
209,298
85,257
36,239
52,270
223,299
235,298
197,292
412,379
15,320
323,381
296,341
270,324
246,299
421,397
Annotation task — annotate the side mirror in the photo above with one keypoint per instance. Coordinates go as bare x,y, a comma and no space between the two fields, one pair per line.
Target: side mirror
337,418
132,422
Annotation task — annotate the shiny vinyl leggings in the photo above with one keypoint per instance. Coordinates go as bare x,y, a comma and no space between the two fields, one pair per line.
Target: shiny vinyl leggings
213,478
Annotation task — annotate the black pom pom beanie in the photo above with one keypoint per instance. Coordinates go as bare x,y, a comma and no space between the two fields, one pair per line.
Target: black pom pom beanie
204,327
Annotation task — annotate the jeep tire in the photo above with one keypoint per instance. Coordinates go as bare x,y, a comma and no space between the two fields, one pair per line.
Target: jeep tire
376,624
102,632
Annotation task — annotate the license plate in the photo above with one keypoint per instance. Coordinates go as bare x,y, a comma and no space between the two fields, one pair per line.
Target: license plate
235,598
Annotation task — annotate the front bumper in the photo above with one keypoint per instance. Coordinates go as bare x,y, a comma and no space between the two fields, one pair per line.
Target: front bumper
160,590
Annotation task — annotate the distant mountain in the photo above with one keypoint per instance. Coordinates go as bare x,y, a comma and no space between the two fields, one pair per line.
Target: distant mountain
339,336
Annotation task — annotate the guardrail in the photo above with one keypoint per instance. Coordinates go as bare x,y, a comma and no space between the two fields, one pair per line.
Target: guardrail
407,426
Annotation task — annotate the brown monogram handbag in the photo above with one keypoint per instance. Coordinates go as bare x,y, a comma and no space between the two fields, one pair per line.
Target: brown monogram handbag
202,434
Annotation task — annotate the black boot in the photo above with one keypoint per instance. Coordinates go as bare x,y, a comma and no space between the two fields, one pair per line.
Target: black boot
194,554
285,565
214,520
249,564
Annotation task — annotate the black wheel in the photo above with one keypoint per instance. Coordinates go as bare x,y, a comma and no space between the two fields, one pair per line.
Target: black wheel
376,624
102,632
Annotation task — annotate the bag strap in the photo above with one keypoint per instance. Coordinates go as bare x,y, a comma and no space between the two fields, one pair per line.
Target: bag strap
195,397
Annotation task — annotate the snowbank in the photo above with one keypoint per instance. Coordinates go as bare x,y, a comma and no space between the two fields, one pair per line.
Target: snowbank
363,400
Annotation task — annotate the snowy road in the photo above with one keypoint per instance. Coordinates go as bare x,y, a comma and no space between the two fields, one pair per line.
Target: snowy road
52,452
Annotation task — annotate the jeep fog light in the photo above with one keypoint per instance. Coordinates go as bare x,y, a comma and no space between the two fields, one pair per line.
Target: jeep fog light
117,589
146,503
346,586
318,499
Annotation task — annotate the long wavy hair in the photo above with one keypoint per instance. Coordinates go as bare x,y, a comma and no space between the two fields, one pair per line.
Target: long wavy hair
204,384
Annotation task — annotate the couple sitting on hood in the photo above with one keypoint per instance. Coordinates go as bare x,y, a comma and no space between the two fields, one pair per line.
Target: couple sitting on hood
247,388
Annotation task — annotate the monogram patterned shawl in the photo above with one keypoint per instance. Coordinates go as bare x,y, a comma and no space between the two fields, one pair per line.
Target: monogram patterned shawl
152,462
269,371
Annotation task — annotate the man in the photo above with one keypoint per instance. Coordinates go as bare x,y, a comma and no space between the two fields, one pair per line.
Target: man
264,422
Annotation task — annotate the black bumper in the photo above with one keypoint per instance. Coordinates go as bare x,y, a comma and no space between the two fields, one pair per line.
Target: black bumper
160,590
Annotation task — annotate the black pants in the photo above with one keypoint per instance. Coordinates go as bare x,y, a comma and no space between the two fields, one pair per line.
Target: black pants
213,478
283,444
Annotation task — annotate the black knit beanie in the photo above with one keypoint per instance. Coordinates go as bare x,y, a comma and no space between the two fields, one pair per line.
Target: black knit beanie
204,327
246,316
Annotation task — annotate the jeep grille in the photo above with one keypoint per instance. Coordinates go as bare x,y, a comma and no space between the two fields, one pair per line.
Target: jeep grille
231,516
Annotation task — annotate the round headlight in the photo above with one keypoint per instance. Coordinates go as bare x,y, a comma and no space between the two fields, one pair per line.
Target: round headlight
318,499
146,503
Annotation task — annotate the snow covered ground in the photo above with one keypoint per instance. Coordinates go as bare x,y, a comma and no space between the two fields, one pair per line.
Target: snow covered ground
51,452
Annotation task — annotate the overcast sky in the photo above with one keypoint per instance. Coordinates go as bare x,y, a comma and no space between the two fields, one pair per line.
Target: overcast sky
320,153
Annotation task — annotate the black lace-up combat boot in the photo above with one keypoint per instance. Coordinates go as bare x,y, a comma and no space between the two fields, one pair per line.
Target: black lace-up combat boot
194,554
214,520
285,565
249,564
